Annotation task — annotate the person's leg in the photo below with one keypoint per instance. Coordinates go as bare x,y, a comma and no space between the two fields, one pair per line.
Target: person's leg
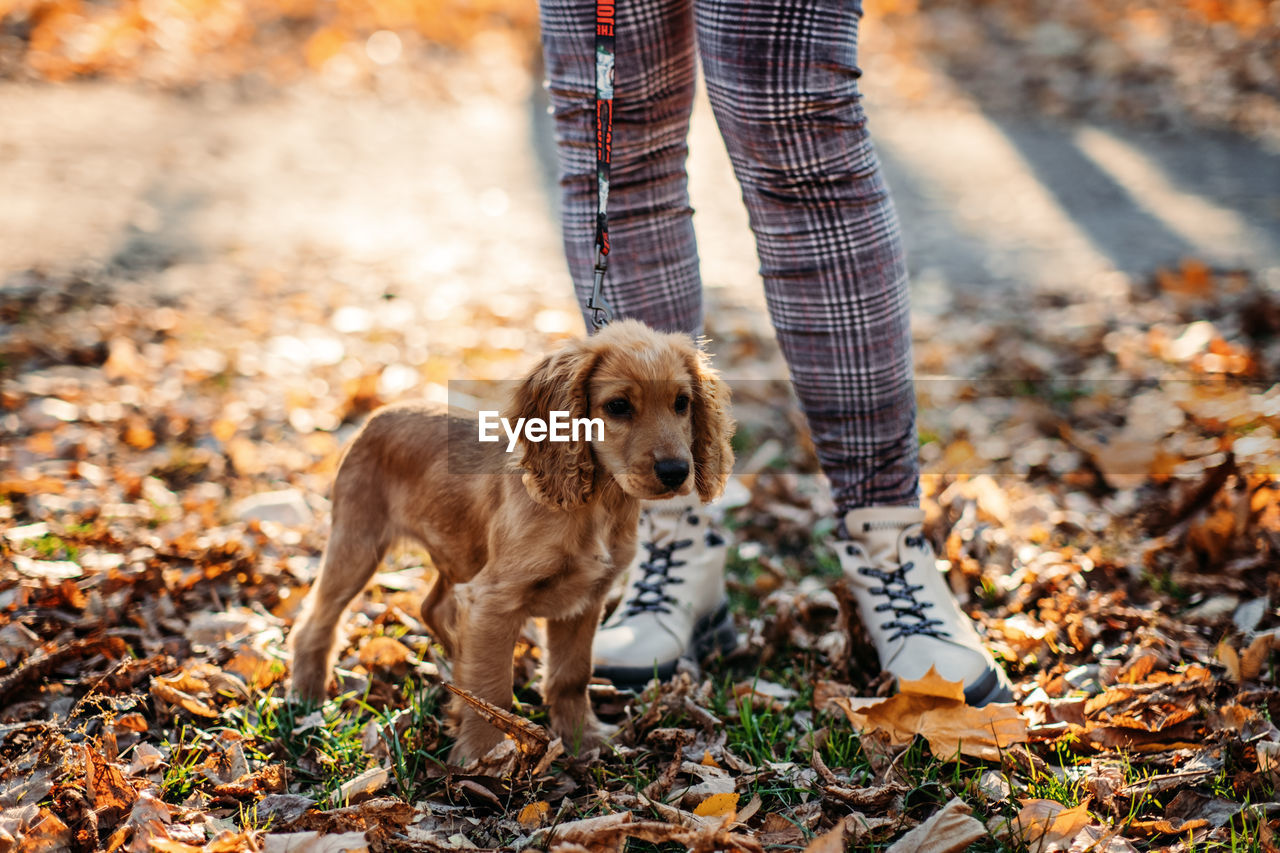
653,261
782,78
674,602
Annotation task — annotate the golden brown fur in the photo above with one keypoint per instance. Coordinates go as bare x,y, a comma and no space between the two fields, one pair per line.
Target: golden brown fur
547,542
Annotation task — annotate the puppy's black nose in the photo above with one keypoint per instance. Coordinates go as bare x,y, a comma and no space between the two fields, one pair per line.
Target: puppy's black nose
671,472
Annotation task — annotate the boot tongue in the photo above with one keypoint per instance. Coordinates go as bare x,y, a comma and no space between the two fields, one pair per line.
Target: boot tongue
877,530
665,517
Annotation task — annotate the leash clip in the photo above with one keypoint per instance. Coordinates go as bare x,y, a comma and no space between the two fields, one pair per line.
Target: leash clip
602,314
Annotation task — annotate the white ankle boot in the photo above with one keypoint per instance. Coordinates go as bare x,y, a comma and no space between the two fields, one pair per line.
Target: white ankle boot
674,605
908,609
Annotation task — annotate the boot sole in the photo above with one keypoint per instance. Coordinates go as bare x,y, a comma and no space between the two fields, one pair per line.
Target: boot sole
992,687
711,633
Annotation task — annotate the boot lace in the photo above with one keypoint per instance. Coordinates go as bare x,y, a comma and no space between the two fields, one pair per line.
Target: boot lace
651,593
897,588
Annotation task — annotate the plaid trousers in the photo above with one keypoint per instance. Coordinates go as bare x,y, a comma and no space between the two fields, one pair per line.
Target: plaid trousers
782,80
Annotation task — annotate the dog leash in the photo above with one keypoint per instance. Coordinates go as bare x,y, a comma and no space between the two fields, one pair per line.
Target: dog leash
601,313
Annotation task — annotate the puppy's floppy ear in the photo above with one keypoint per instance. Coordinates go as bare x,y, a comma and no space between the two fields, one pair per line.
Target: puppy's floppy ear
712,427
557,473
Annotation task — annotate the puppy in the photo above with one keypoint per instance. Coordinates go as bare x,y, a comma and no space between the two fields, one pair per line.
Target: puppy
544,537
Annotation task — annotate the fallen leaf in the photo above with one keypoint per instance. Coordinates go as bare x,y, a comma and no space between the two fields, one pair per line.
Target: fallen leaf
384,653
531,738
935,708
533,815
1230,659
314,842
365,785
281,808
949,830
828,842
603,834
1041,824
718,805
1255,656
109,792
49,570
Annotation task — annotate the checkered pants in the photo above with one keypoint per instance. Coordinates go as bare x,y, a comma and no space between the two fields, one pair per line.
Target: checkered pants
782,79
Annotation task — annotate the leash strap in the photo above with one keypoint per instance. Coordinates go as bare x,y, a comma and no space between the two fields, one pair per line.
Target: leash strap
601,313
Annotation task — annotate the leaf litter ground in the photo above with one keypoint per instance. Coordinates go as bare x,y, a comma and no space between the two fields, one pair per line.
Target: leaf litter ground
1102,485
1131,594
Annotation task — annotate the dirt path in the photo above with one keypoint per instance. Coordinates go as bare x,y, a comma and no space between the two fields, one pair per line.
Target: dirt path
396,191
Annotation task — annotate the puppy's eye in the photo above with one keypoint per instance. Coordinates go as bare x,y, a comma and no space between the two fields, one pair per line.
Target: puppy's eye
682,404
619,408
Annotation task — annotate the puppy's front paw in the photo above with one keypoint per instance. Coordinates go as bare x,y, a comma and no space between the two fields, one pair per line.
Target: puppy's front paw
585,735
309,682
475,739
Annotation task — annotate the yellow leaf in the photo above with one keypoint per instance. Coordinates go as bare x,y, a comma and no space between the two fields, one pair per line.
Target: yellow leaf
383,653
1229,658
323,45
707,760
532,815
1254,657
717,805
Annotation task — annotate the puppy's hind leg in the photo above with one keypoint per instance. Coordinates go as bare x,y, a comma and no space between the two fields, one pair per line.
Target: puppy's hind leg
440,614
352,556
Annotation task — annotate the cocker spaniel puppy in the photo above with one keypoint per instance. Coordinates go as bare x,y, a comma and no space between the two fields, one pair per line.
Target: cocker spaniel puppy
543,534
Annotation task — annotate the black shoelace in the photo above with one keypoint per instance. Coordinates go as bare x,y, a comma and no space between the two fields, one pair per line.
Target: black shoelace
897,588
651,589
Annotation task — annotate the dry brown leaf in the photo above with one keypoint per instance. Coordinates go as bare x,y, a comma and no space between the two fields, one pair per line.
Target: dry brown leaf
749,810
1100,839
131,722
949,830
777,830
33,829
256,668
1230,659
825,691
608,833
383,813
315,842
225,765
280,809
1268,756
876,799
364,786
265,780
533,815
1166,826
384,653
1042,824
531,738
828,842
935,708
1255,656
109,792
169,845
603,834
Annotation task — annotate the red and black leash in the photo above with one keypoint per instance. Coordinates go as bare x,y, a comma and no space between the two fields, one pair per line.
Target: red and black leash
601,313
